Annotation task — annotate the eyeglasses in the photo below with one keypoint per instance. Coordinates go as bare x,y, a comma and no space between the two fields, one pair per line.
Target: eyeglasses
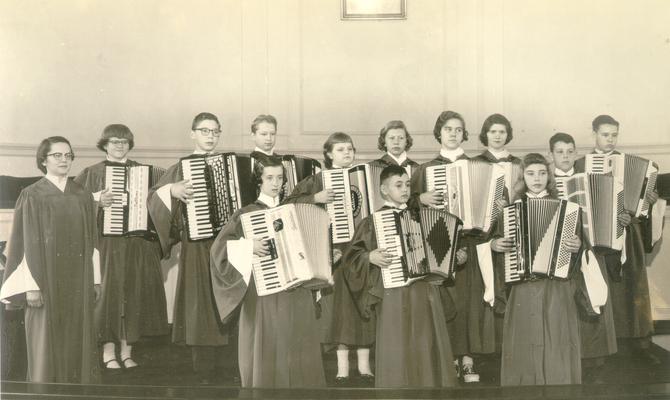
209,132
119,141
60,156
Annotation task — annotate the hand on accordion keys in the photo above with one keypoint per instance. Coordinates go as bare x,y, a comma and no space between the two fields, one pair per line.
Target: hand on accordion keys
261,247
380,258
461,256
624,219
182,190
652,197
324,196
502,245
432,199
337,254
500,204
106,198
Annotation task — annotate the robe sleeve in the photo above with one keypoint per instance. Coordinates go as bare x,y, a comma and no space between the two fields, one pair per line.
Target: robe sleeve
229,285
166,217
305,190
363,279
418,186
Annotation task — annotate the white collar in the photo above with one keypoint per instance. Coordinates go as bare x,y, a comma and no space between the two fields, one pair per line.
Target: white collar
201,152
268,201
333,166
400,159
392,205
560,172
602,152
452,155
60,182
271,153
540,195
125,159
499,153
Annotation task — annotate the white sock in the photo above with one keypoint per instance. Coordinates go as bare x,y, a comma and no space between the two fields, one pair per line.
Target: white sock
467,360
108,352
126,350
363,354
342,362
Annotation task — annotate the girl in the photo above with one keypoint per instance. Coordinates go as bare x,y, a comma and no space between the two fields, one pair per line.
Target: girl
53,268
279,338
496,133
396,141
541,343
133,297
345,325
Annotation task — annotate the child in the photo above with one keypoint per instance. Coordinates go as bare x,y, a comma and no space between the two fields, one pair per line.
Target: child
279,338
598,336
345,325
396,141
133,297
628,284
264,135
195,322
541,343
412,346
496,133
53,268
472,328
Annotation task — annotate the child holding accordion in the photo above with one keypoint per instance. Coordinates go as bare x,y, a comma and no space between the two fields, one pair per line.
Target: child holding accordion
412,341
541,342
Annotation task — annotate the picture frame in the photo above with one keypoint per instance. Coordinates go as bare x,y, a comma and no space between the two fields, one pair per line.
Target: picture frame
373,9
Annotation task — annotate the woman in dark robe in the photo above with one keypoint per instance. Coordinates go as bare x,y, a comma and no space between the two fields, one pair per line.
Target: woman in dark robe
133,297
279,337
53,268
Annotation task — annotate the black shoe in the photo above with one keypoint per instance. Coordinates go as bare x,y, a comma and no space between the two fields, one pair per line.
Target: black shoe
367,379
342,381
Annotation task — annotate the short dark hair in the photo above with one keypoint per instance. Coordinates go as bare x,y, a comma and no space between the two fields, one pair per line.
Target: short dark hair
262,162
492,120
337,137
560,137
116,130
603,120
204,116
45,147
263,118
391,170
442,120
381,142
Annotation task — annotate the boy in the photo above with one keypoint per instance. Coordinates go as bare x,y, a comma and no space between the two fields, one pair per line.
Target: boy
598,335
628,282
412,345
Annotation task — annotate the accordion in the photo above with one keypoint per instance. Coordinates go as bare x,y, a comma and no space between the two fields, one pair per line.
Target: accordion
601,200
297,169
222,184
539,228
471,190
355,198
638,176
423,244
513,174
128,215
300,253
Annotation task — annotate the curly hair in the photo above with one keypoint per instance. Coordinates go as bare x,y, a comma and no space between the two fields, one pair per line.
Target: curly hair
396,124
45,147
442,120
520,187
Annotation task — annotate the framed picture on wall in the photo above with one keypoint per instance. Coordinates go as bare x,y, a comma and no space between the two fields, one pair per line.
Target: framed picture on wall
373,9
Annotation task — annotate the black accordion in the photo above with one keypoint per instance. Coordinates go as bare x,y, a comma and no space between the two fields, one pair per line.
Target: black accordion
128,215
355,198
539,228
296,169
423,244
300,252
601,200
222,184
638,176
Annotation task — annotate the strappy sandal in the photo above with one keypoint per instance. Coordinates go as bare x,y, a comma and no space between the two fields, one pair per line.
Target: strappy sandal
106,364
126,366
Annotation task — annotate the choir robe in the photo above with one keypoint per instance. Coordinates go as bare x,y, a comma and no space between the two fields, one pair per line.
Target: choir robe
53,237
541,341
279,336
598,334
132,282
412,347
472,329
195,319
628,285
342,322
386,161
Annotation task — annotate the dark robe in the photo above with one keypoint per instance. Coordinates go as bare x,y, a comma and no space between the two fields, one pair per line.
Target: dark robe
386,161
133,303
541,341
56,233
472,327
598,334
489,157
342,321
195,319
628,284
279,337
412,346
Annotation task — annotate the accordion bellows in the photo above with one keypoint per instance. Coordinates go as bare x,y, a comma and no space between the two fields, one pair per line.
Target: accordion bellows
300,251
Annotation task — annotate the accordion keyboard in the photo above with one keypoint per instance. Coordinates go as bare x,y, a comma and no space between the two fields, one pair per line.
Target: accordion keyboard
340,209
113,217
512,263
269,277
197,209
388,239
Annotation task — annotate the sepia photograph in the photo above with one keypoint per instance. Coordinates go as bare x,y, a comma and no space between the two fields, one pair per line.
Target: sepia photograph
354,199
